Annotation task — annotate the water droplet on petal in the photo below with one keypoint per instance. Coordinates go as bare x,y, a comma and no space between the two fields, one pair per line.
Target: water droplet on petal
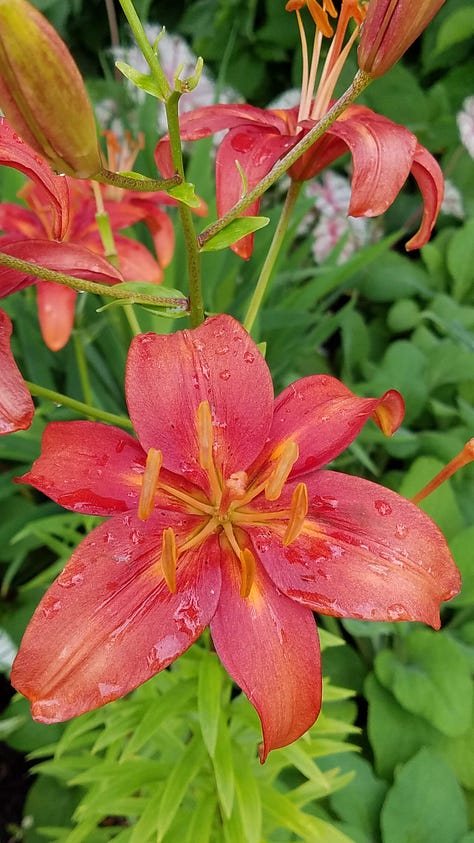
225,375
249,357
382,507
396,611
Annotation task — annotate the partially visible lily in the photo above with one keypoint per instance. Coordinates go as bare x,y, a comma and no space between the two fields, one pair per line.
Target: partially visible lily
220,514
383,153
16,405
42,92
390,28
58,230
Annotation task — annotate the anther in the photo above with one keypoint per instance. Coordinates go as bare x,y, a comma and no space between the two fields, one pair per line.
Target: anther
247,566
285,462
151,474
298,513
205,434
169,557
463,458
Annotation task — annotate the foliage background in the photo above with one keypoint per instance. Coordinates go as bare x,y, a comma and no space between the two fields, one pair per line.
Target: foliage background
147,767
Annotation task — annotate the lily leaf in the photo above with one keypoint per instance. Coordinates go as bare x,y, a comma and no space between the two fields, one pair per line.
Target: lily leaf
141,80
185,193
234,231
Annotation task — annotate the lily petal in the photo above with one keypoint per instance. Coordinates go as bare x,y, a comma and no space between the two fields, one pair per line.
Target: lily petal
109,622
16,405
364,552
169,376
429,177
323,416
62,257
88,467
269,645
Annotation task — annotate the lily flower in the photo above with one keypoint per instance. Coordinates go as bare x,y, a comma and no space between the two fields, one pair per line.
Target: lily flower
383,153
16,405
58,230
221,514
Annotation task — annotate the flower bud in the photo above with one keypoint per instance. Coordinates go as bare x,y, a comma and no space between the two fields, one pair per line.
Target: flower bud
390,27
42,92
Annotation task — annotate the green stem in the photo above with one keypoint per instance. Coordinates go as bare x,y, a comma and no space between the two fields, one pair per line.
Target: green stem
151,58
82,368
132,320
359,83
83,286
139,183
78,406
196,304
272,254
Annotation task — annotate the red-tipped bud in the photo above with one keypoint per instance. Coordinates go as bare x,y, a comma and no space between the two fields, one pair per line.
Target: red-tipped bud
42,92
390,27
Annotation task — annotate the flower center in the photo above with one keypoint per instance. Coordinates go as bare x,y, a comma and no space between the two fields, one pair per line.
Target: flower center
227,509
315,101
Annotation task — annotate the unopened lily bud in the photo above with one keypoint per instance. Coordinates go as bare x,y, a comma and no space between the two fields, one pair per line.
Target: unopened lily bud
390,27
42,92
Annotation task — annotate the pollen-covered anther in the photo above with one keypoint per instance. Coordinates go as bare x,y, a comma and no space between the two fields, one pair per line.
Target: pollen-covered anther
151,474
169,558
247,566
205,434
299,511
320,16
237,484
286,459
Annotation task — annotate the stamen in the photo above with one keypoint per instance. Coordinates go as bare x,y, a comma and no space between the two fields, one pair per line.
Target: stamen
206,454
169,558
299,511
320,17
463,458
151,474
205,433
248,567
286,459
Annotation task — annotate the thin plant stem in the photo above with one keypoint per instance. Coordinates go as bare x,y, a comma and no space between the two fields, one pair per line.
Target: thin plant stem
146,48
358,84
132,320
138,183
273,252
78,406
83,286
82,368
196,304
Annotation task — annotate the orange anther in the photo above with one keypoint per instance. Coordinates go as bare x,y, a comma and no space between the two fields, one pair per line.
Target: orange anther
299,511
151,474
287,456
205,434
248,567
169,558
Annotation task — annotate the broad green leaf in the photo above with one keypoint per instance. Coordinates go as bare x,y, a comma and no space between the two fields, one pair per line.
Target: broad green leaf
178,782
441,505
185,193
141,80
224,766
233,232
461,548
209,699
359,802
425,805
456,28
460,256
429,676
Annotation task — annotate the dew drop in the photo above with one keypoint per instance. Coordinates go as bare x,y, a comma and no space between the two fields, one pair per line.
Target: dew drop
224,375
51,608
222,350
382,507
396,611
108,690
249,357
120,446
401,531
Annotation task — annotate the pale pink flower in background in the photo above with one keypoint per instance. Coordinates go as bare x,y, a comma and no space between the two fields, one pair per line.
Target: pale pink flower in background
332,195
465,120
452,203
174,52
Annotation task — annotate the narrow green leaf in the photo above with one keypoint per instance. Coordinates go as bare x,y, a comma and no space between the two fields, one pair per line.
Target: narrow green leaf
178,783
170,302
233,232
200,826
209,699
223,766
248,797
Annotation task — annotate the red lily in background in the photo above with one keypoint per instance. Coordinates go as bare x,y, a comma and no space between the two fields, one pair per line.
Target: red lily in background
58,230
16,405
383,153
221,514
